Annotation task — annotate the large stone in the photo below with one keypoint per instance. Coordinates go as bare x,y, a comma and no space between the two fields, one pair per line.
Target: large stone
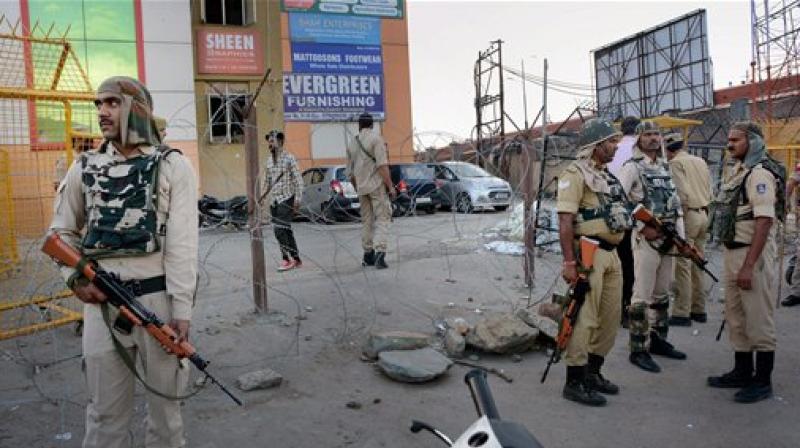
545,325
394,340
551,310
505,333
454,343
260,379
413,366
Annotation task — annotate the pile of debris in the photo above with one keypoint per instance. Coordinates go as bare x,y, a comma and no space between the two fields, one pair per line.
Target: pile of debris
418,357
508,235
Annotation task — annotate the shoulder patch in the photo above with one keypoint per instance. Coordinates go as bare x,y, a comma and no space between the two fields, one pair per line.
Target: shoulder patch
563,183
761,188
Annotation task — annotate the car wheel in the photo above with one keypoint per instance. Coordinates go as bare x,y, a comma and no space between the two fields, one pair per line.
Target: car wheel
400,210
431,210
327,216
501,208
464,204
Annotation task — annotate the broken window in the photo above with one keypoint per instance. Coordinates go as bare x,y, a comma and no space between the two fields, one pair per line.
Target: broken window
226,104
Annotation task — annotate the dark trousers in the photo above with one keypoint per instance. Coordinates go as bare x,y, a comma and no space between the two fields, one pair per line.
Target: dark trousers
625,253
282,213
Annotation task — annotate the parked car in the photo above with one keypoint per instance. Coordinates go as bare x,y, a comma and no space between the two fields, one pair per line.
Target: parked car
416,188
467,187
328,195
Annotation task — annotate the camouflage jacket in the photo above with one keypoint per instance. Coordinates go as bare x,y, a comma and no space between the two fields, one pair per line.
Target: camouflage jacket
86,197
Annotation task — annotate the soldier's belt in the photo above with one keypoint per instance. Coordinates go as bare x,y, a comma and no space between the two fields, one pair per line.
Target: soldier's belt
734,245
697,209
146,286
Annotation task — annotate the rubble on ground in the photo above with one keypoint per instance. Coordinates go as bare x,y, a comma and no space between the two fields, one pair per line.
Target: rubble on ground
544,324
413,366
394,340
454,343
502,334
260,379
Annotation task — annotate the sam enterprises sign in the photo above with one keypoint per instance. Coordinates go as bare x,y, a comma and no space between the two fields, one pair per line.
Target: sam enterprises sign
229,52
325,97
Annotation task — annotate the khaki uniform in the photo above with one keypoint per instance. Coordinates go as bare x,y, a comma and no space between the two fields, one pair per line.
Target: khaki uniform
693,181
365,153
749,313
794,288
598,319
653,270
109,382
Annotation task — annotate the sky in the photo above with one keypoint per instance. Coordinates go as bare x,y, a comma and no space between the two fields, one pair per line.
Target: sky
446,36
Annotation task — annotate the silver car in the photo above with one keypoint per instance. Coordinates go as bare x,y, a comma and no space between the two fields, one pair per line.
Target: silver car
328,195
467,187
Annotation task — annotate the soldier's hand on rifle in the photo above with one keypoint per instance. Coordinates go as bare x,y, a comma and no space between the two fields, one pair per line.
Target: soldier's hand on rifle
570,272
88,293
181,328
744,279
650,233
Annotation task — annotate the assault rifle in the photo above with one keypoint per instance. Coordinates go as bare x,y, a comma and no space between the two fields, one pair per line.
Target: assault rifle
577,296
641,213
129,307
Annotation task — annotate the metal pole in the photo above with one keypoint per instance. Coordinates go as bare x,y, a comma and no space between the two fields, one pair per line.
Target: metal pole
502,94
253,221
530,225
524,95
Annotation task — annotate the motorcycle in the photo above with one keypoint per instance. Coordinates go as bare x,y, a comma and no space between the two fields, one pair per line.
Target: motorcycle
216,213
489,431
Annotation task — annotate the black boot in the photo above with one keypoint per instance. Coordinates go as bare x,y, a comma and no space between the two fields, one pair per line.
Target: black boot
644,361
680,321
761,386
380,260
791,300
578,391
740,376
660,346
595,379
699,317
369,258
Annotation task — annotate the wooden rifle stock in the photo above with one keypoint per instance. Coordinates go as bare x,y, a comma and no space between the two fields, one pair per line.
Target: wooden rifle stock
588,247
129,307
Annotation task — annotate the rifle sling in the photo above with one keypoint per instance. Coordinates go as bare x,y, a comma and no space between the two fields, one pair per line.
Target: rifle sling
130,363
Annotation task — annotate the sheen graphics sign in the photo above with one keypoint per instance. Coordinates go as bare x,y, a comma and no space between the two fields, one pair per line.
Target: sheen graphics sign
222,51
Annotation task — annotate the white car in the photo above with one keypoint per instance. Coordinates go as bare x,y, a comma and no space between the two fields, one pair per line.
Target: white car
468,187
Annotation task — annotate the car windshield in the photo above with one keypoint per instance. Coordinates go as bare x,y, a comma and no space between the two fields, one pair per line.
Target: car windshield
416,172
468,170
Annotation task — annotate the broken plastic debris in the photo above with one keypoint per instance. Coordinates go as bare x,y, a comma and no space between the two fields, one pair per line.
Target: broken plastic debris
64,436
695,332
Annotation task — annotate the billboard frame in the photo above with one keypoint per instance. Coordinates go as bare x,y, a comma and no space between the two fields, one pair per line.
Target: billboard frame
661,69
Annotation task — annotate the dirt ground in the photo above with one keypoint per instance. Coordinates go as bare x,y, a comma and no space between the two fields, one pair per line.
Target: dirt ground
319,317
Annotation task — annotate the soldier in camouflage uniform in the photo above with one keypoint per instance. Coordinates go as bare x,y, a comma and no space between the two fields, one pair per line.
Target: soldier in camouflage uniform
131,205
647,180
745,209
592,203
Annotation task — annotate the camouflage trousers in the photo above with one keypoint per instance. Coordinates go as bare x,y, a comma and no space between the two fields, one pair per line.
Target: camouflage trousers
650,302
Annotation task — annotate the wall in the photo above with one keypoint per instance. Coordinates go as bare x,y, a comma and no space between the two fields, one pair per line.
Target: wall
222,167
